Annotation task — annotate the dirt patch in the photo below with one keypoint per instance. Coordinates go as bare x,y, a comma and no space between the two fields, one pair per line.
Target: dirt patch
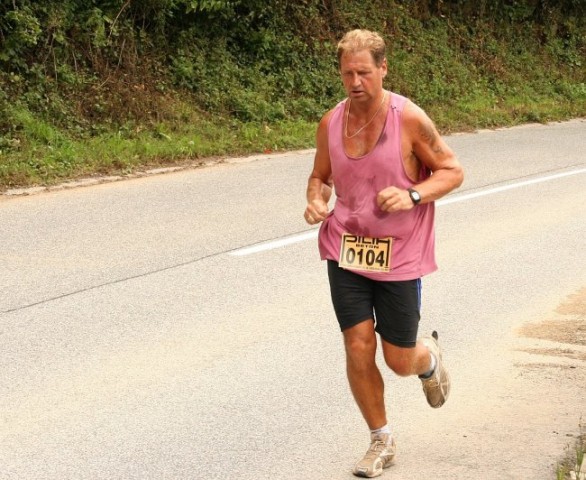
557,352
574,305
569,327
563,331
540,366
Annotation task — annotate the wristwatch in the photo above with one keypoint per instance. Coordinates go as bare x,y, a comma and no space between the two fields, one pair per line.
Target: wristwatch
415,197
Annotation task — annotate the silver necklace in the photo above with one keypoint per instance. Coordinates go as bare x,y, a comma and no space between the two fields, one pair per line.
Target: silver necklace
367,123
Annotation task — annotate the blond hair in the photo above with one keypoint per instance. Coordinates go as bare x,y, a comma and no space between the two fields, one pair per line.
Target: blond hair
357,40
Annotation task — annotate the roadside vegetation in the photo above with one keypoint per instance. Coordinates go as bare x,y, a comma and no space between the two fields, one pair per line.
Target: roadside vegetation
107,87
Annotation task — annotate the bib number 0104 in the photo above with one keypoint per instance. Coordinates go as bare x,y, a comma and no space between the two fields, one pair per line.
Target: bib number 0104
365,253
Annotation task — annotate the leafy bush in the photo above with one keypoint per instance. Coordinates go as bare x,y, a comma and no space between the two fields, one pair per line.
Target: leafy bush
117,68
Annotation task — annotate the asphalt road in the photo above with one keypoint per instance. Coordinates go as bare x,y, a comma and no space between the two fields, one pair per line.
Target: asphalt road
142,339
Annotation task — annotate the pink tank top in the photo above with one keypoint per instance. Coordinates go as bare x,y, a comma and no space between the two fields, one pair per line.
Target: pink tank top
357,182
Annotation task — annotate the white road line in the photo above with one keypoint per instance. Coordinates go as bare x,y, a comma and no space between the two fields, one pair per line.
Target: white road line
490,191
261,247
270,245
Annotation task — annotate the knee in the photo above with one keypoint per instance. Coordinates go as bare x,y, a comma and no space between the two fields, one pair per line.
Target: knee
402,365
360,350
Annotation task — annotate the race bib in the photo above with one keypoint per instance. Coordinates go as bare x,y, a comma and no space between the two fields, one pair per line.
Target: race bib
365,253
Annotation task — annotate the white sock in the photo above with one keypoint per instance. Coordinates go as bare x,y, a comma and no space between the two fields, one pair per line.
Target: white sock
385,430
432,365
432,362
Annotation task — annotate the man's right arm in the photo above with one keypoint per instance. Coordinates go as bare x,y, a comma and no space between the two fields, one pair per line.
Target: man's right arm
319,184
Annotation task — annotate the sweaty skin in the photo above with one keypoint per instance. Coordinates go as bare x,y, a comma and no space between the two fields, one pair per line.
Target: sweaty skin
421,143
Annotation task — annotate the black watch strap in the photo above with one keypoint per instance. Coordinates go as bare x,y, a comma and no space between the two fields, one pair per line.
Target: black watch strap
415,196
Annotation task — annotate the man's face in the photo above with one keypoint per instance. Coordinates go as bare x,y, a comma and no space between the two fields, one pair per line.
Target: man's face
361,77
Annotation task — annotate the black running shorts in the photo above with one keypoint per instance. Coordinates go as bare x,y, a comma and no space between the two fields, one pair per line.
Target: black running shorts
395,306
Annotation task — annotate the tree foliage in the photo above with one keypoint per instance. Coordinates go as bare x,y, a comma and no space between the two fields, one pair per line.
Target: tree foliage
89,63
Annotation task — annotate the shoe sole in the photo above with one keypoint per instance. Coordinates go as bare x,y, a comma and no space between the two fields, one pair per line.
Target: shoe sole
377,473
380,471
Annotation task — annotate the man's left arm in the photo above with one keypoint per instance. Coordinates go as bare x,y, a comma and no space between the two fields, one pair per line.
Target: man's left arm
433,152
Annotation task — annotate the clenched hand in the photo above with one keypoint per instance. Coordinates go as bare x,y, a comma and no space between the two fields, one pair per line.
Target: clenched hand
393,199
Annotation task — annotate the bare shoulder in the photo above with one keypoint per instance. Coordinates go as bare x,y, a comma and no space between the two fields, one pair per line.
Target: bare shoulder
322,129
325,120
322,165
424,140
417,122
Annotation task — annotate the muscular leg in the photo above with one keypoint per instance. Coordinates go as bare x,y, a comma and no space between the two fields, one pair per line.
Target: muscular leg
364,376
407,361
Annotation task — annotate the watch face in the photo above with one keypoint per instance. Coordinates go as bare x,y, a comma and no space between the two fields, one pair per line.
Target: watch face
415,196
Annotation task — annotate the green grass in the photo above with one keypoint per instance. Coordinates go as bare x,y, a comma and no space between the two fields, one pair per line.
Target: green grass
43,155
68,112
46,156
573,462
